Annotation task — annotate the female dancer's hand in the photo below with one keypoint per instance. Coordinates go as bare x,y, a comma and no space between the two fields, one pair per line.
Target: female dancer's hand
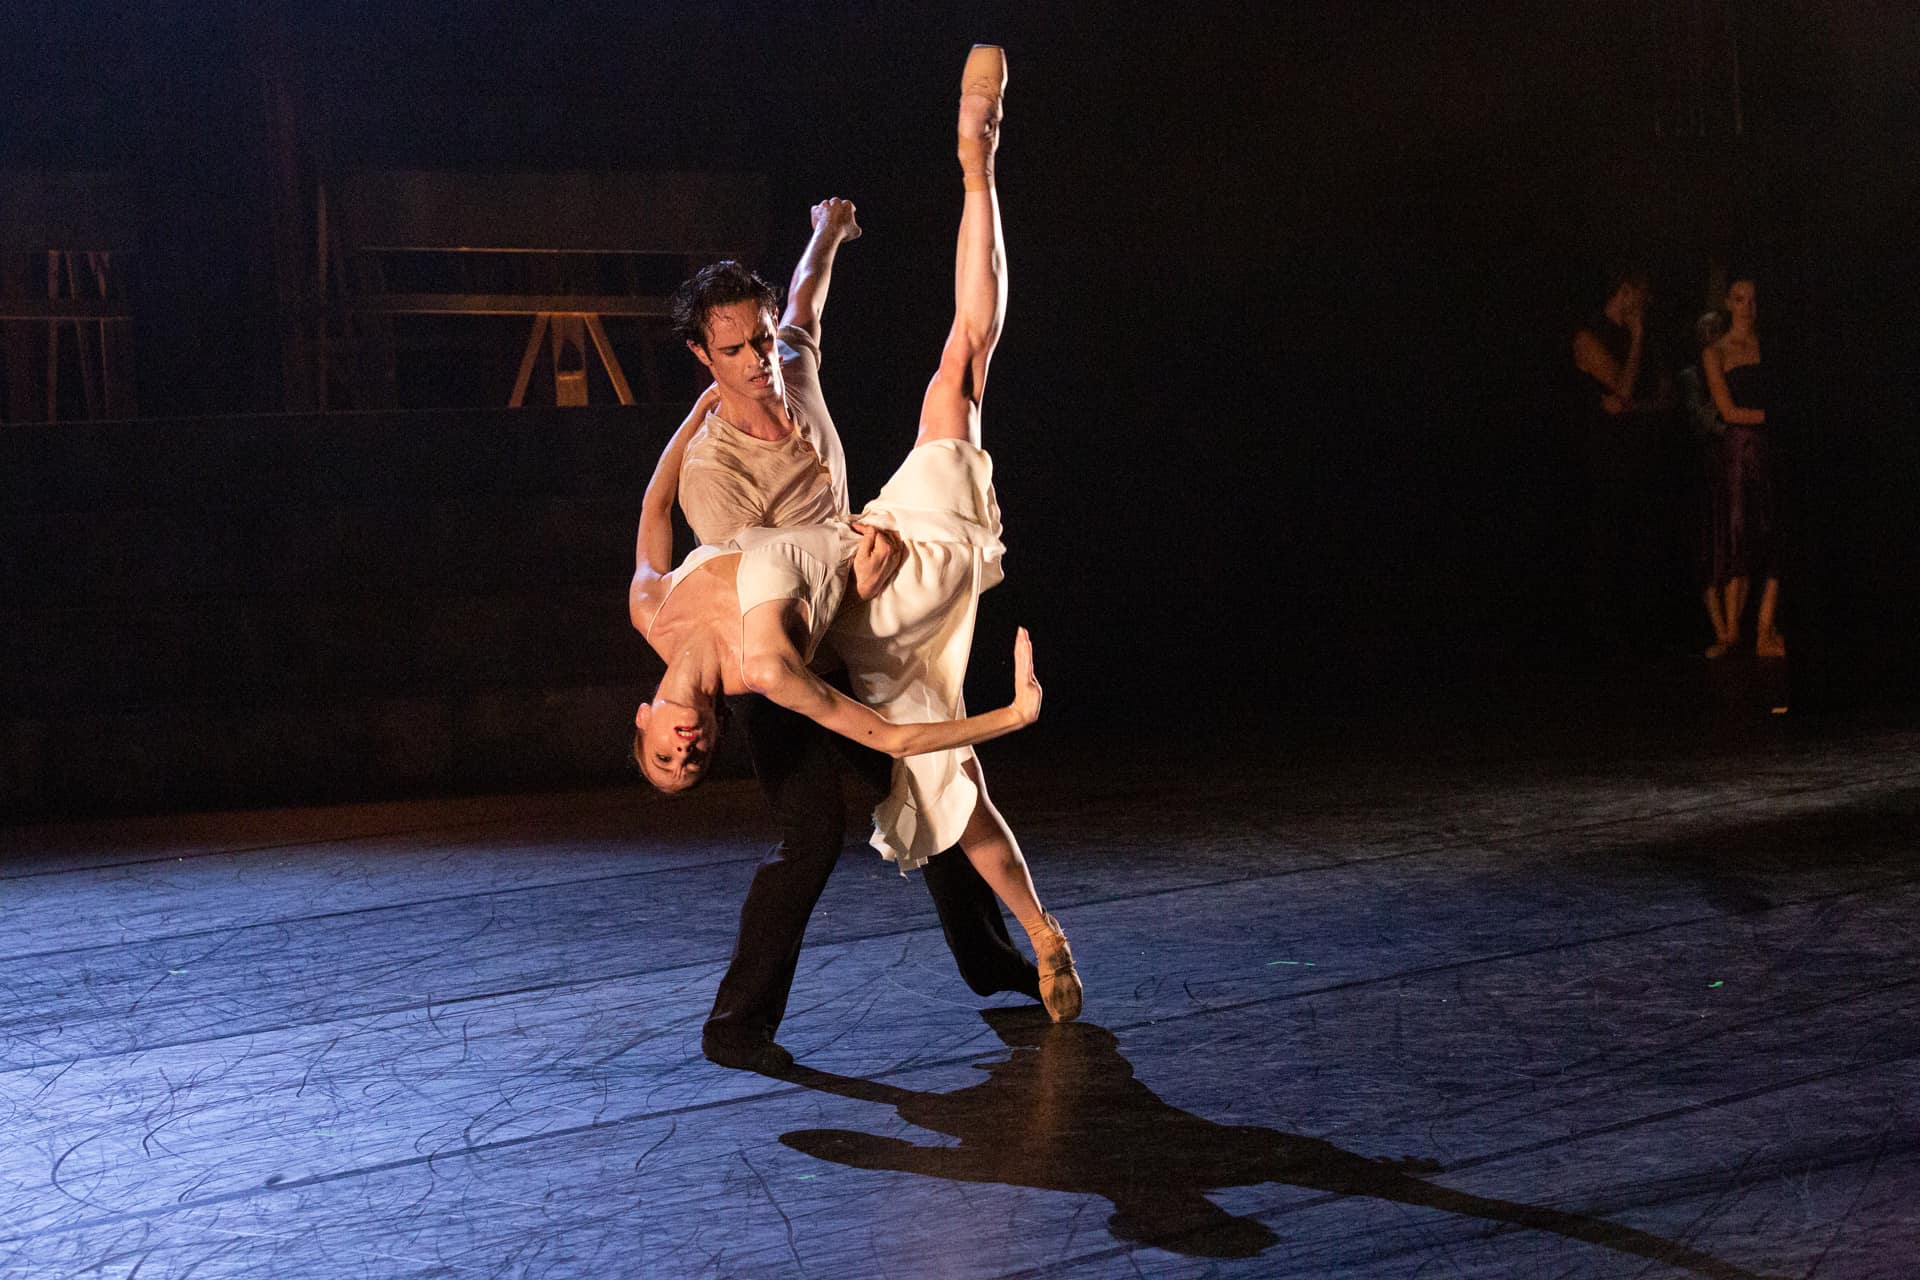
1026,687
875,561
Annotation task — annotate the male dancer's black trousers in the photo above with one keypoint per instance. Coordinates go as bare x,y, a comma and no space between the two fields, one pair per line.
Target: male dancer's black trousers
799,766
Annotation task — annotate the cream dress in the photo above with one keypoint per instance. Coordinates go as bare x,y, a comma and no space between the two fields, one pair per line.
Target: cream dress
906,649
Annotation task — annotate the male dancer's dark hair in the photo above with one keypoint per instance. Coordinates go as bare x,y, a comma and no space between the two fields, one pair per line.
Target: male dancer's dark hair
716,285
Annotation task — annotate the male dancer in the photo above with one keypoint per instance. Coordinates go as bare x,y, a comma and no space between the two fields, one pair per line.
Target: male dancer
767,455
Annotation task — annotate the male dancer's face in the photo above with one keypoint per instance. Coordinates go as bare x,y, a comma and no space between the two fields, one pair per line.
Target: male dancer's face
740,353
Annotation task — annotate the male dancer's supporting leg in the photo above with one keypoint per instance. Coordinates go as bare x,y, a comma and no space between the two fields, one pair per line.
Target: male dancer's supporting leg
796,770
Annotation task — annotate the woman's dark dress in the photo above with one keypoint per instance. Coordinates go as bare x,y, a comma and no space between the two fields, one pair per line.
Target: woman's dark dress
1743,527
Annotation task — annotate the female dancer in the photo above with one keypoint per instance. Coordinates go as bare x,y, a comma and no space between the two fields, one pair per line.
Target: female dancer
1711,482
1743,540
748,615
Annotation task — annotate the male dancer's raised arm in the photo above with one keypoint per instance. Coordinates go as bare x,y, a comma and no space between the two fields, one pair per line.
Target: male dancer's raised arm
833,226
768,455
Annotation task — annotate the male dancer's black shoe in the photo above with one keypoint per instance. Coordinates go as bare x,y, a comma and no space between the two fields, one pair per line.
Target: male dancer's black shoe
743,1053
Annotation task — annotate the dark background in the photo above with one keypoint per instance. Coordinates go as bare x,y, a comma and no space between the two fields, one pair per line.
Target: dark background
1280,413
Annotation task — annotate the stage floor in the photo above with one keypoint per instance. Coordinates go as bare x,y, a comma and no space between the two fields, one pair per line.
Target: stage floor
1640,1003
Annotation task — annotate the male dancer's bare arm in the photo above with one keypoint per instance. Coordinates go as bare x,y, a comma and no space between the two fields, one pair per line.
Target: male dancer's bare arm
773,668
833,226
1592,358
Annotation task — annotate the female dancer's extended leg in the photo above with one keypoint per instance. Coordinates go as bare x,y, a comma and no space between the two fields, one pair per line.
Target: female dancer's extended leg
951,411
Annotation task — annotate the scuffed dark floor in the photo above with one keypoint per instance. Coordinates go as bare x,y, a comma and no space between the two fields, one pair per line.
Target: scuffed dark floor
1611,1001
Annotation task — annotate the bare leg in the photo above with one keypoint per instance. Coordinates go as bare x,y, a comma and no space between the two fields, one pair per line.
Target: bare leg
951,409
1722,640
1766,641
1736,607
989,845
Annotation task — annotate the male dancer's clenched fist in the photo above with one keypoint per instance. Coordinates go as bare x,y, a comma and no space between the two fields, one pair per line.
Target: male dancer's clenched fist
836,214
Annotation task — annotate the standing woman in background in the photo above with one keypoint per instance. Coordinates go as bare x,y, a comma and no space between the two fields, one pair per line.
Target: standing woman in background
1710,487
1743,545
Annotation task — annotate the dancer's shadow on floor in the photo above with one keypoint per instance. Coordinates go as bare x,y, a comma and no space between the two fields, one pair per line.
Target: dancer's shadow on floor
1063,1112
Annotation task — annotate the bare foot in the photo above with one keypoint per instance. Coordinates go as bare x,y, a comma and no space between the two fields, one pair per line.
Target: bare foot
1718,649
1770,646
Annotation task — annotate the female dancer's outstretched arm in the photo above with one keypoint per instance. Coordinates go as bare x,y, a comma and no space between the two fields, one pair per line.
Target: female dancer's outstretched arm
653,544
772,666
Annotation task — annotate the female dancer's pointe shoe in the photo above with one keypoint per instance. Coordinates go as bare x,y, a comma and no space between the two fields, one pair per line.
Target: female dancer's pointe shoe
982,85
1059,980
